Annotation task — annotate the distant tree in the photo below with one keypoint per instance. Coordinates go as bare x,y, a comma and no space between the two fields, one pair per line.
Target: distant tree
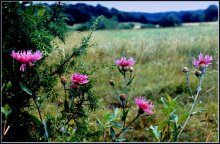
169,21
197,17
114,11
100,10
143,19
122,17
211,13
70,20
186,17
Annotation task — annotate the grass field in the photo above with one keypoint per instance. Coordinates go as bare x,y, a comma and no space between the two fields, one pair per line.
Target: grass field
160,55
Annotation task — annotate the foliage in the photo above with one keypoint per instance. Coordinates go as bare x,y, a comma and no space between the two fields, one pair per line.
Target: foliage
211,13
169,21
34,27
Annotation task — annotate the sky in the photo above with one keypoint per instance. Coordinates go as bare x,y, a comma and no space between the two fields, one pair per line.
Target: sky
148,6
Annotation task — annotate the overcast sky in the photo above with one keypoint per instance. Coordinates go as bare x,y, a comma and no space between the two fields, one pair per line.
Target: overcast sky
148,6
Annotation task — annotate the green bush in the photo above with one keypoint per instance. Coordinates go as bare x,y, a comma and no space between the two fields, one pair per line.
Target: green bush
147,26
126,26
29,26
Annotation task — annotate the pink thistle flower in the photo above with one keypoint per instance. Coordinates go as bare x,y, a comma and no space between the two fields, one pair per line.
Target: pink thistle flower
144,106
202,61
79,79
26,57
124,62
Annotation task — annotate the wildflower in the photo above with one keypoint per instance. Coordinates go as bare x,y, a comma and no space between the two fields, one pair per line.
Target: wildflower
202,61
144,106
26,57
123,62
79,79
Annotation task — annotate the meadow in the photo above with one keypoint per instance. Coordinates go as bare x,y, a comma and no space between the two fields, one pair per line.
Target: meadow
160,55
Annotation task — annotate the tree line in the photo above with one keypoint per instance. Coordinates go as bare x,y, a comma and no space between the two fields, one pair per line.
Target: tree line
81,13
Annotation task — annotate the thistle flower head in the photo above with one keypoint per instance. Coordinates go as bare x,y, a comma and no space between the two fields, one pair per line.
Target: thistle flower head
79,79
202,61
26,57
123,62
144,105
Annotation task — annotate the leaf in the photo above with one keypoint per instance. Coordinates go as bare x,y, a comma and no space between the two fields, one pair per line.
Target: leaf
112,132
173,116
173,103
45,129
189,91
197,112
40,12
98,122
106,117
24,88
164,102
36,120
2,87
124,115
116,124
169,99
155,132
175,132
129,82
162,124
6,110
71,122
6,86
114,114
31,18
45,96
120,71
182,117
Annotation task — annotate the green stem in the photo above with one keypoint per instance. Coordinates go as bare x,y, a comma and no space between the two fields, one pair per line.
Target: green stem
38,109
116,90
194,103
126,88
128,125
123,107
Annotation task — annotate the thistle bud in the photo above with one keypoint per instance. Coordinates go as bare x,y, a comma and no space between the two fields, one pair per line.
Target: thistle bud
130,69
122,97
185,69
63,80
124,69
111,82
198,73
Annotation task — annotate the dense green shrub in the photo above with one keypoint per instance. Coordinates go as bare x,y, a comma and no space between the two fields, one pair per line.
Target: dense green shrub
147,26
29,26
126,26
